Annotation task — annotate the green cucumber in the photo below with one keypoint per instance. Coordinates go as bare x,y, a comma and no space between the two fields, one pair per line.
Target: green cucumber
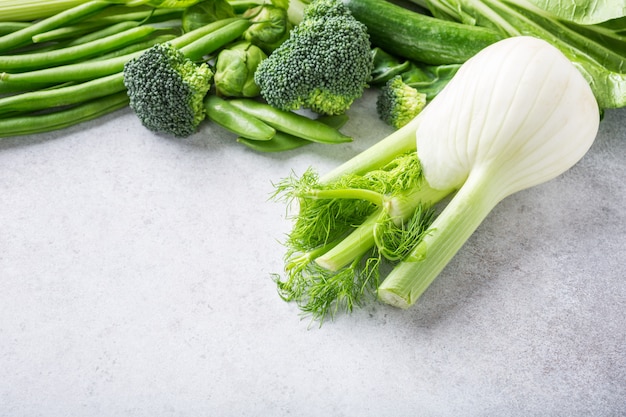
420,37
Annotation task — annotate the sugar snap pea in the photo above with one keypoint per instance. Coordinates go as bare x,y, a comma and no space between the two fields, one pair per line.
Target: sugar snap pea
285,142
281,142
233,119
292,123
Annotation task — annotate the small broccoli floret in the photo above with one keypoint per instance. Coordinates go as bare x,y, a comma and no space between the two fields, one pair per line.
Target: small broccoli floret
166,90
398,103
324,65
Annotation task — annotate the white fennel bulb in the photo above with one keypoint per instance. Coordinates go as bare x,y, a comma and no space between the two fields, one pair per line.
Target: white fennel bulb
517,114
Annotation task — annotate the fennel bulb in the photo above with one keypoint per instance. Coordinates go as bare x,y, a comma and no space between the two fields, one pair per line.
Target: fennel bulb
517,114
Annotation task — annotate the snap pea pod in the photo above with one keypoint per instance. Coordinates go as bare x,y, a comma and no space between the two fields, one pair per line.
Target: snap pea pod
233,119
292,123
282,141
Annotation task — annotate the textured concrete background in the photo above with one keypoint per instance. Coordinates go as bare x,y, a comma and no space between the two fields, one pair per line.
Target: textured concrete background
135,281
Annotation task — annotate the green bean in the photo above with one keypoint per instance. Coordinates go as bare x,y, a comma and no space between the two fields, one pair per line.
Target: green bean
38,60
82,71
292,123
216,39
66,32
240,6
231,118
10,27
31,124
281,142
207,37
98,26
121,13
62,96
136,47
196,34
83,33
24,36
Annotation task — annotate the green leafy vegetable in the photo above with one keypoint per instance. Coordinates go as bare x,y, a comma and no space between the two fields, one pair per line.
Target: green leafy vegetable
206,12
598,50
583,12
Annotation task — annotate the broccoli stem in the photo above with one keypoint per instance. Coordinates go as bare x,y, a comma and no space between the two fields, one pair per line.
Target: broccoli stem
447,234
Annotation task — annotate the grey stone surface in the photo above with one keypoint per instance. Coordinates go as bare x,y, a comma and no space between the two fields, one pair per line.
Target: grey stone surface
135,281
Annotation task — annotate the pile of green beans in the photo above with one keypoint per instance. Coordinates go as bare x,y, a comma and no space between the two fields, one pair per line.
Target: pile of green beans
68,68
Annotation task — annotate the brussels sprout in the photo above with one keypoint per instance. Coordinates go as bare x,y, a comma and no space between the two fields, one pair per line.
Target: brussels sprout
234,70
271,26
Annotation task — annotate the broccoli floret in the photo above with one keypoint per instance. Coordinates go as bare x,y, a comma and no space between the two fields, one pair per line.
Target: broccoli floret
398,103
324,65
166,90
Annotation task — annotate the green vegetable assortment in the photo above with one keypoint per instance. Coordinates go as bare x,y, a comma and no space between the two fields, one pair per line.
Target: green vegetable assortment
291,55
281,74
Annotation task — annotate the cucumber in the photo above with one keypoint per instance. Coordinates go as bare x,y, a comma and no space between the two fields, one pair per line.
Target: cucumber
420,37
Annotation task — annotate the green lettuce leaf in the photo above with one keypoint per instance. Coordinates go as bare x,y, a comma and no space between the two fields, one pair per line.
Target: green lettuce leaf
584,12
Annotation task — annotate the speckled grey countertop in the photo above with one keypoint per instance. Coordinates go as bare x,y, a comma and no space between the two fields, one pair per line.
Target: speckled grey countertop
135,281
